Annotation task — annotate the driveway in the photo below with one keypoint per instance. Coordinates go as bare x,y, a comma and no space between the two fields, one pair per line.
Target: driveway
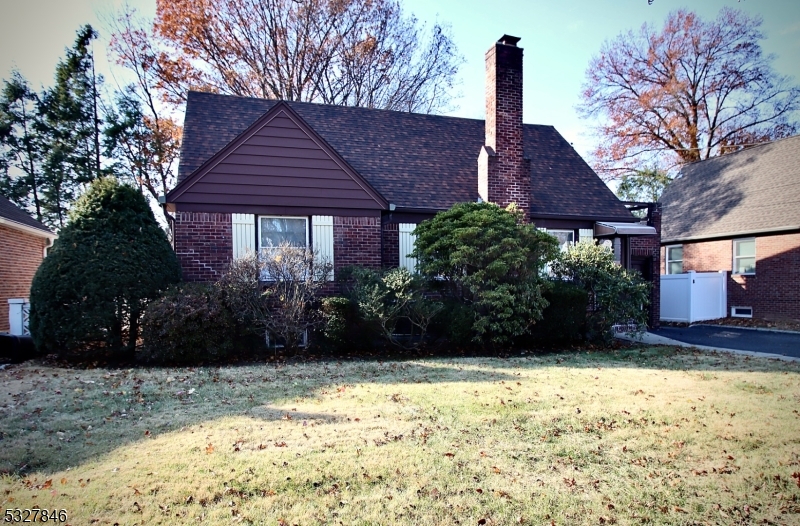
787,344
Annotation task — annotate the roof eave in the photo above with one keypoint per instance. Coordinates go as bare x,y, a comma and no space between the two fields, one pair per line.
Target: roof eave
722,235
28,229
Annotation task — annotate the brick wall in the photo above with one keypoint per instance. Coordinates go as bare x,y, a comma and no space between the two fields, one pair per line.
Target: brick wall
649,247
356,241
391,245
204,244
20,257
504,175
774,290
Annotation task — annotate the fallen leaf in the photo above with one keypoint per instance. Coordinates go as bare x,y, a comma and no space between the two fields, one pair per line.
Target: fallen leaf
209,449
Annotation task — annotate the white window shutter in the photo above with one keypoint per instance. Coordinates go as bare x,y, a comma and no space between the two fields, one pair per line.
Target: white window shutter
585,234
322,238
244,234
407,240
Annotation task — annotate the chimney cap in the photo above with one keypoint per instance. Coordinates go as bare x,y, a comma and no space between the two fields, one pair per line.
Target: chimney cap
508,40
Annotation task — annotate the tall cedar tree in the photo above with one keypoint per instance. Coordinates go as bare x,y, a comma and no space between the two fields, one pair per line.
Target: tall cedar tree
22,146
693,90
50,142
72,125
108,263
344,52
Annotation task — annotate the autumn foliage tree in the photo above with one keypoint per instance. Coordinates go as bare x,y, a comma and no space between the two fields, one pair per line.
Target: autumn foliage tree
344,52
692,90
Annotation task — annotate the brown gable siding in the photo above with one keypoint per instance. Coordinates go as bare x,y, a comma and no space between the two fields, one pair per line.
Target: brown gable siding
275,165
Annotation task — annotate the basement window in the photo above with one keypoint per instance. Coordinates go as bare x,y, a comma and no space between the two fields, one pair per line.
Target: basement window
741,312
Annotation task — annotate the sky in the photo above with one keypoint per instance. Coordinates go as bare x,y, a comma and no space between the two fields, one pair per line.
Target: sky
559,37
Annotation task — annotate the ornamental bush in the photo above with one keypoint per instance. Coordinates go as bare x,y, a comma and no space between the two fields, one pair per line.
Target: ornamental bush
188,325
615,295
393,304
486,260
109,261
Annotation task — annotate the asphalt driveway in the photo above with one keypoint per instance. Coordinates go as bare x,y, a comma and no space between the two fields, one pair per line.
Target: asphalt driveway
787,344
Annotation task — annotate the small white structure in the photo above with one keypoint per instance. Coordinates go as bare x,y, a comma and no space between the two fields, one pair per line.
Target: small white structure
694,296
18,312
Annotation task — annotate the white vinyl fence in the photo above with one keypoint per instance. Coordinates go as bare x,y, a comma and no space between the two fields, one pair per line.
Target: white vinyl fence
694,296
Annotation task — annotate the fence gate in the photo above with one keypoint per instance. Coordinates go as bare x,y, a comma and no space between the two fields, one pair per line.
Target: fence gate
18,311
694,296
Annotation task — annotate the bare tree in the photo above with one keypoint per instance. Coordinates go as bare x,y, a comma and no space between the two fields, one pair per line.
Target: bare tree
692,90
344,52
142,137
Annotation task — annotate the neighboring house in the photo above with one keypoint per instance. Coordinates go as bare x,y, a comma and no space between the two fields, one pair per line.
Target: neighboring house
23,245
354,182
740,213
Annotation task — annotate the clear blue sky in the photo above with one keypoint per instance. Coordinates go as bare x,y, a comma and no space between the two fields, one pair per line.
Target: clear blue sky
559,38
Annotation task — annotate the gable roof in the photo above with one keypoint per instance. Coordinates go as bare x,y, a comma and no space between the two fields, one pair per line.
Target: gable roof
11,212
755,190
278,162
414,161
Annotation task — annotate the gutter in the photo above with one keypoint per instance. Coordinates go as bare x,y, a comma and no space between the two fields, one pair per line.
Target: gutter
38,232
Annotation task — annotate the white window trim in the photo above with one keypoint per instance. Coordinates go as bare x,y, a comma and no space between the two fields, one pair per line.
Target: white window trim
735,257
668,261
304,218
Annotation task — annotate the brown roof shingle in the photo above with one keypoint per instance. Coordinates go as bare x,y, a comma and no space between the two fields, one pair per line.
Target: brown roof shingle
751,191
413,160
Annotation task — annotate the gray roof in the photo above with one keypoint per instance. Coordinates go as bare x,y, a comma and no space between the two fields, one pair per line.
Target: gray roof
412,160
12,212
755,190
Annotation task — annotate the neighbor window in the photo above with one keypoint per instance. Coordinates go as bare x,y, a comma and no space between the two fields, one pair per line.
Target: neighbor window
566,238
675,259
273,231
744,256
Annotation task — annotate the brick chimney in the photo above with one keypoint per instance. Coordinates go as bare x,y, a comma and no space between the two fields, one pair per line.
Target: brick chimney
504,174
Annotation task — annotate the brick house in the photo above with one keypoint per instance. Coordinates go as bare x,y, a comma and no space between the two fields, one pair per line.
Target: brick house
354,182
740,213
24,242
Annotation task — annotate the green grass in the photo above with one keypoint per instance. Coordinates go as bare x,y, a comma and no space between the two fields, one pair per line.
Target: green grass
655,436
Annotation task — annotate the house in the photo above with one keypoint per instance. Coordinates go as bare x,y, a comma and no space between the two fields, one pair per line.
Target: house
354,182
740,213
24,243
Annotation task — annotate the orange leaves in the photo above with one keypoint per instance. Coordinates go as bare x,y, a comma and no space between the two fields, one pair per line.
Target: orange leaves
209,449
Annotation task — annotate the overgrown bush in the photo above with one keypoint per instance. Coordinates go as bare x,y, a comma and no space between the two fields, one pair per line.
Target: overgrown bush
486,260
615,294
188,325
564,318
277,293
393,302
108,263
344,329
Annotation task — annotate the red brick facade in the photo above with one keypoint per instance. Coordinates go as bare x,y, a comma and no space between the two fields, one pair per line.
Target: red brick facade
21,255
391,245
204,244
646,250
504,175
773,291
356,241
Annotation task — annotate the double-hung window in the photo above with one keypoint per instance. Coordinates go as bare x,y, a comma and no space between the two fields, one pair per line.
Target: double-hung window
274,231
566,238
675,259
744,256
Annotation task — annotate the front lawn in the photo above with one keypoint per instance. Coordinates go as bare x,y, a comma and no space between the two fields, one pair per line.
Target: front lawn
657,436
